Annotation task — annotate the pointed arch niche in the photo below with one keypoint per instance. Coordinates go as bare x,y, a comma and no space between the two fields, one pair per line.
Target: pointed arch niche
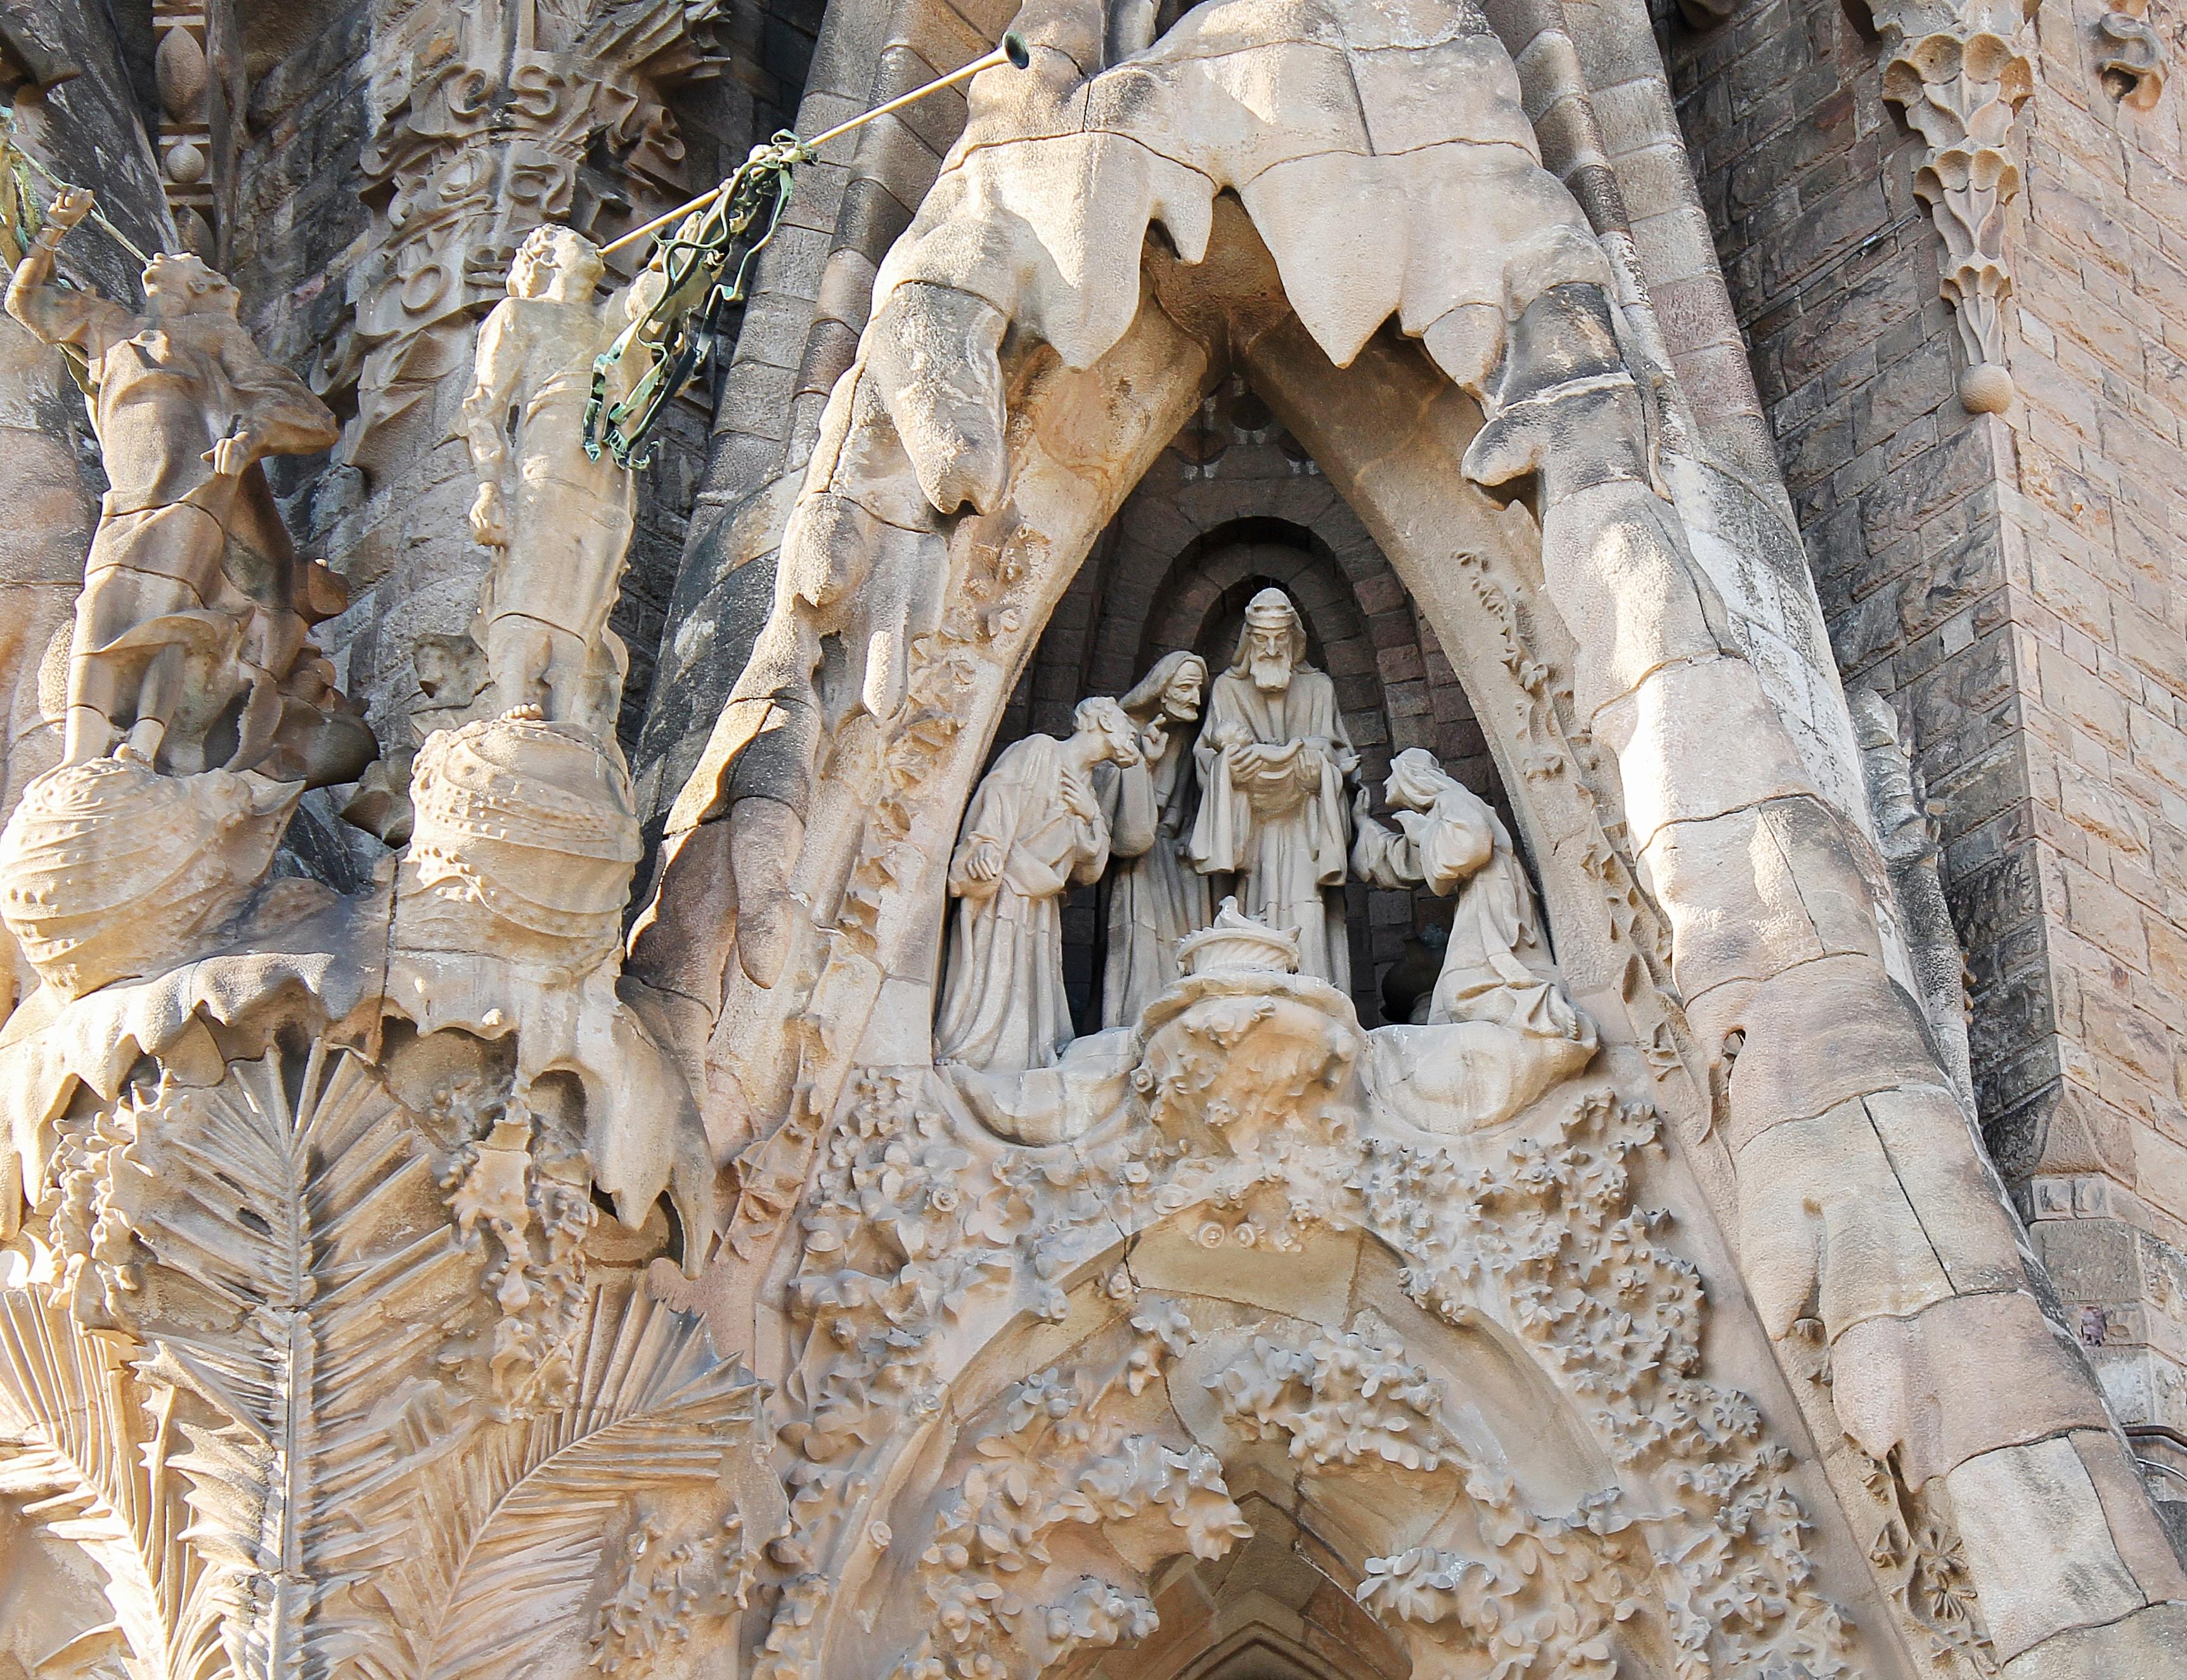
1234,504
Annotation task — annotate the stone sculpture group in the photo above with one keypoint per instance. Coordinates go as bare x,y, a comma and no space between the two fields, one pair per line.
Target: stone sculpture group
927,1340
1254,810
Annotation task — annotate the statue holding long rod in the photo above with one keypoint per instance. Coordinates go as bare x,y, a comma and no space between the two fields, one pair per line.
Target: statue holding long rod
190,650
567,398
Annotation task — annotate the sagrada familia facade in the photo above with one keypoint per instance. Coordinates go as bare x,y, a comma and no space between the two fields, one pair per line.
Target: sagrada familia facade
1092,840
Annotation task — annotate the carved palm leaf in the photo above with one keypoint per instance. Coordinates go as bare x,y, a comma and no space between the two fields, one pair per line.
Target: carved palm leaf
508,1536
89,1460
303,1275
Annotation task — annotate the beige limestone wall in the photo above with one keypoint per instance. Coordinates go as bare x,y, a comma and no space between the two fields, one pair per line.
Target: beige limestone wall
2010,584
2098,602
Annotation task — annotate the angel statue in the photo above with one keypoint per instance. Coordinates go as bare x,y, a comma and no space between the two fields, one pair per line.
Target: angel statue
558,518
190,649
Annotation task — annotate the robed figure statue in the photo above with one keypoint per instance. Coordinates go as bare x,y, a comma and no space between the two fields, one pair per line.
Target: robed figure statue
557,518
1497,966
1155,896
1034,830
1273,759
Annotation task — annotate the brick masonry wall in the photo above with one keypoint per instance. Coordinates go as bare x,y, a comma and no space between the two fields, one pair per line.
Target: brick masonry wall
2009,584
2100,611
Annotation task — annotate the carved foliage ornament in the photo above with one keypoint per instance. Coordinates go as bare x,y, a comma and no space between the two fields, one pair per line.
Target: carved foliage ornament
922,1243
327,1383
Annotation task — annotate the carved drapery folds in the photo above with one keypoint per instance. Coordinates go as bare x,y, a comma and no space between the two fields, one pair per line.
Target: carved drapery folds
483,114
1960,77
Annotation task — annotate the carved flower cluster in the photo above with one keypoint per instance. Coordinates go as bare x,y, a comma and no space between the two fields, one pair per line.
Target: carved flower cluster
1339,1402
913,1236
1061,1455
1550,1234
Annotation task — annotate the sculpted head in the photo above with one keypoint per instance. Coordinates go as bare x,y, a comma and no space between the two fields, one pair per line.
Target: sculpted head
1180,694
1416,780
1108,723
1171,689
556,263
1272,645
177,283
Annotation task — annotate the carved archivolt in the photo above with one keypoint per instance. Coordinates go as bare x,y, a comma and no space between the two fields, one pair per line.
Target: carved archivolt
991,1529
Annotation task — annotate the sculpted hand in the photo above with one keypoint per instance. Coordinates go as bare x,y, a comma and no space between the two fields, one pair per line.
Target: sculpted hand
1078,800
230,456
487,517
985,860
1362,807
69,209
1154,738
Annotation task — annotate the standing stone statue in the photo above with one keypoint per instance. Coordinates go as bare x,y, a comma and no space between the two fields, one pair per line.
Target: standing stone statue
1034,831
558,520
1272,760
1496,967
1155,897
190,644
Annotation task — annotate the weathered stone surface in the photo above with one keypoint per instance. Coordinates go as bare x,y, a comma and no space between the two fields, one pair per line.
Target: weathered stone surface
1637,1298
1909,1386
2038,1498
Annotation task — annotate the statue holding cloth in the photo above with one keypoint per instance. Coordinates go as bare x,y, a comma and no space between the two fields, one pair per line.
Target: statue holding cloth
1272,760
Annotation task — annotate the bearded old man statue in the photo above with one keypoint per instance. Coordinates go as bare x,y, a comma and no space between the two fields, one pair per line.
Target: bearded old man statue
1155,897
1272,760
1034,831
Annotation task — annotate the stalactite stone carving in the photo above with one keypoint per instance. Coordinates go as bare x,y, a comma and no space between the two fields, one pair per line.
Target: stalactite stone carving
1960,87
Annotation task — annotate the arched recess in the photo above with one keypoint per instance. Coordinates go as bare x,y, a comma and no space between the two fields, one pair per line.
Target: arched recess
1469,565
1235,503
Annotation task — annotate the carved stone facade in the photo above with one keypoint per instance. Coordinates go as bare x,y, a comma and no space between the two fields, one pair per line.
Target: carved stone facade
1251,1005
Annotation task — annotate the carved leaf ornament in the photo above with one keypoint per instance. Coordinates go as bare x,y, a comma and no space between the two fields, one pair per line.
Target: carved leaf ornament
920,1248
255,1363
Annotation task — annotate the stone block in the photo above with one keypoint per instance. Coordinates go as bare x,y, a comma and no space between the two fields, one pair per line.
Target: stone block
1914,1385
1933,1156
2147,1643
1668,735
1819,1034
2037,1544
2144,1545
1825,1228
